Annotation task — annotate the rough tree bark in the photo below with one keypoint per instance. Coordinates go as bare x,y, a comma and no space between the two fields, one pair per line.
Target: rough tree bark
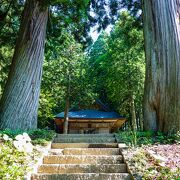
162,48
19,103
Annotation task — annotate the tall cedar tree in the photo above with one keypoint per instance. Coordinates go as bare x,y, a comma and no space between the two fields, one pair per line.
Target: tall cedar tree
162,47
19,103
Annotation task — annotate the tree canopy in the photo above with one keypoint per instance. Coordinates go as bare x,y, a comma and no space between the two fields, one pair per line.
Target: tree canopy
119,66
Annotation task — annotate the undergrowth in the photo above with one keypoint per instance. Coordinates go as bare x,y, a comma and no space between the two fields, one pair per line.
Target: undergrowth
144,166
13,162
148,168
138,138
38,136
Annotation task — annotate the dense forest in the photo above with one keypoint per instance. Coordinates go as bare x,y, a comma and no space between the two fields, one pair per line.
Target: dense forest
49,62
117,61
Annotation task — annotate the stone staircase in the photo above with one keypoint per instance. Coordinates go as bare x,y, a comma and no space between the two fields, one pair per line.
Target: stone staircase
83,157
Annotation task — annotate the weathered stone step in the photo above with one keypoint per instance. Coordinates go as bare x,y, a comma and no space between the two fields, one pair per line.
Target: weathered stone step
83,168
83,176
85,151
84,140
83,145
85,135
82,159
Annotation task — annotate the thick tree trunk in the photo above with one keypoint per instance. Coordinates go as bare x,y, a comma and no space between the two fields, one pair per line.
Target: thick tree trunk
162,47
19,103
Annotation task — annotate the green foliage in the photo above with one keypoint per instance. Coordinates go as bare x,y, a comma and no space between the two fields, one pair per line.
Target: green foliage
177,137
5,56
10,12
11,133
71,15
163,173
63,56
97,54
65,66
138,138
134,7
131,137
125,77
167,138
40,141
118,66
12,162
41,136
38,136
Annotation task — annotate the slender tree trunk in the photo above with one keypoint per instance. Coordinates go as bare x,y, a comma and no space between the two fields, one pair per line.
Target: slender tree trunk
141,120
66,118
133,114
162,48
19,103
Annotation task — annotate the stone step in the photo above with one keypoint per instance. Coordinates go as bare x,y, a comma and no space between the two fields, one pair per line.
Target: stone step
83,145
83,176
82,168
84,140
82,159
85,135
85,151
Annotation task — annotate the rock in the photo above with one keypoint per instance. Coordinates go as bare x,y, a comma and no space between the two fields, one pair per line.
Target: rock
156,156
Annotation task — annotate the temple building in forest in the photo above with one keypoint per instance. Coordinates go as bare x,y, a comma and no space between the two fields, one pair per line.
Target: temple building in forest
90,122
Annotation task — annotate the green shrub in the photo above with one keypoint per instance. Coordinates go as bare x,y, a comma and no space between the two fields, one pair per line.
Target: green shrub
12,162
40,141
146,137
134,137
41,136
38,136
11,133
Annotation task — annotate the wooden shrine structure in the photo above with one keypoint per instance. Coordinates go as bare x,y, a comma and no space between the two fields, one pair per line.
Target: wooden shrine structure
90,122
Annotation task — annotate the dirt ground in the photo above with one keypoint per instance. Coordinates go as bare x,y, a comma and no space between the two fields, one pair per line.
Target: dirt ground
154,161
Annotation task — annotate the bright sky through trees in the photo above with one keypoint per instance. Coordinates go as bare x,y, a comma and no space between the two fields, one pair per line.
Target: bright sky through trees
94,34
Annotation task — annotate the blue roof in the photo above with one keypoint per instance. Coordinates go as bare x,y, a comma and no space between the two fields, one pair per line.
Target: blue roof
90,114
